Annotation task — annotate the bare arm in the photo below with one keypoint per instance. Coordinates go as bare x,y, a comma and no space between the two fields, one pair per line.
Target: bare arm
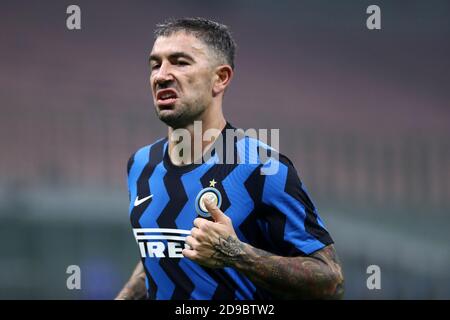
215,245
318,276
135,288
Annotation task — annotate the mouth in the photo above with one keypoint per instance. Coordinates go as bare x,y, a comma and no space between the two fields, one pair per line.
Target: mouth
166,97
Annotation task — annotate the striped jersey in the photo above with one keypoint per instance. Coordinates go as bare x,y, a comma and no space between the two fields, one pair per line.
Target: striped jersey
269,209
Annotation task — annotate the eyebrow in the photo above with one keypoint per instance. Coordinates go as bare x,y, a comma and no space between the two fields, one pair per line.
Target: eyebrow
174,55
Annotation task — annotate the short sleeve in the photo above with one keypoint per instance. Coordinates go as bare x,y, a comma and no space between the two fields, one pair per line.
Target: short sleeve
293,222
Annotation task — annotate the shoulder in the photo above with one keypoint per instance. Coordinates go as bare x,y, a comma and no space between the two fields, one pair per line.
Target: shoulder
253,150
147,153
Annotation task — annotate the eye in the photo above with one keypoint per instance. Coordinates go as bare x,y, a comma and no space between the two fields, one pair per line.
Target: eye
154,66
182,63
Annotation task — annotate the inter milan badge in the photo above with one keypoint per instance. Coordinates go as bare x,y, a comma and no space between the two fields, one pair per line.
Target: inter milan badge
213,195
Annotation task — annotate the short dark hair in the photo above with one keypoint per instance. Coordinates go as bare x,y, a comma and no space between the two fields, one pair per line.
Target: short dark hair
215,35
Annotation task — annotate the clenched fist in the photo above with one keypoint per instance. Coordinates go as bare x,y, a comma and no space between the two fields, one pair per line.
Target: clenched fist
213,244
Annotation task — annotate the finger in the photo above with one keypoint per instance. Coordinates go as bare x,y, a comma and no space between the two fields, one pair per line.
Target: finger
189,253
192,242
202,223
195,232
214,211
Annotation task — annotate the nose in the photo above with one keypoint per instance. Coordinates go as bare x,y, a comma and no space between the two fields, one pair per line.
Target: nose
163,75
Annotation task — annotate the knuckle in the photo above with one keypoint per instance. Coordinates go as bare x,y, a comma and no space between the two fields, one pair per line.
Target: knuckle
194,255
204,226
195,232
199,235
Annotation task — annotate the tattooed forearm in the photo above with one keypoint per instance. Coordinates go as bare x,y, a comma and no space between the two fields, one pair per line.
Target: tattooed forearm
135,288
318,276
227,250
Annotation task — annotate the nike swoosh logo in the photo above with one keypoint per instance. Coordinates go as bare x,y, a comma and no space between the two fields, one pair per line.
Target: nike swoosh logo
138,201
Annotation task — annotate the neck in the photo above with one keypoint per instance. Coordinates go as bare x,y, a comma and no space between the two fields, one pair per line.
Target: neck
194,148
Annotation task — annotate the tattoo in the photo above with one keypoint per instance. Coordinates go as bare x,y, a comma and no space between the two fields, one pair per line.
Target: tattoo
135,288
317,276
227,251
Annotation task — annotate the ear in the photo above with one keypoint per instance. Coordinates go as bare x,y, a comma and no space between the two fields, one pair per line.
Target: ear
222,79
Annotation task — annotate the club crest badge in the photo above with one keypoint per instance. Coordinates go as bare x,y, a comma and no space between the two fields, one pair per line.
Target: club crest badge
210,193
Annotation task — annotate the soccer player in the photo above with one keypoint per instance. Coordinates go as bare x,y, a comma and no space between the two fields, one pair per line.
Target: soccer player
211,229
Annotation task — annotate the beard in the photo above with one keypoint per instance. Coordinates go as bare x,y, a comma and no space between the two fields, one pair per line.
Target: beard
180,116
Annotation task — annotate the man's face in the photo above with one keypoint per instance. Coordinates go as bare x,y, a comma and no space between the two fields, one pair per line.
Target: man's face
182,71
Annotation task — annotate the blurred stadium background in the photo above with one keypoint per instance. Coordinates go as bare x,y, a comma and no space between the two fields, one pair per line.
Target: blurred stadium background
364,115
